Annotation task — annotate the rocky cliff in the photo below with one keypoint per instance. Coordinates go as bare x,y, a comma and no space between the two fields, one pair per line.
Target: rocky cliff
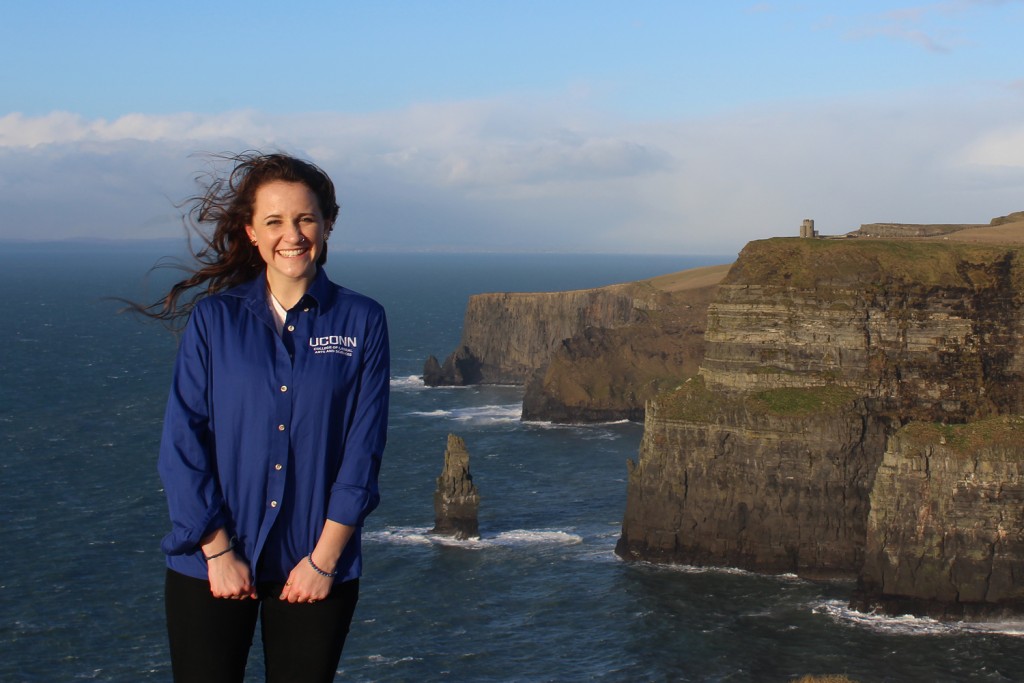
945,532
586,355
506,336
817,353
752,482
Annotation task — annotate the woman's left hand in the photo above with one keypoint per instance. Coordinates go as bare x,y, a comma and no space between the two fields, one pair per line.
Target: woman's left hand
306,585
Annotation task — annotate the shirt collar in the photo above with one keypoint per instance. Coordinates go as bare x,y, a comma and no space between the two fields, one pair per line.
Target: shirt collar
321,291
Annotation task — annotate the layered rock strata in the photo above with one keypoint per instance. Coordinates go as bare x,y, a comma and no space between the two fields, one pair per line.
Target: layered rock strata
734,481
456,499
945,533
817,353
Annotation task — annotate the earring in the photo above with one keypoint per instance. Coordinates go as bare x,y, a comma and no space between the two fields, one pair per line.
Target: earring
253,242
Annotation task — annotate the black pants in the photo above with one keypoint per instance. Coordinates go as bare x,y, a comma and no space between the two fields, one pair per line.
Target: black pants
210,637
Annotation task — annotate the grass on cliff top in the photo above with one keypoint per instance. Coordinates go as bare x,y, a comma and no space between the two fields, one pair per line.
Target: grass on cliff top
1003,432
802,401
694,402
806,263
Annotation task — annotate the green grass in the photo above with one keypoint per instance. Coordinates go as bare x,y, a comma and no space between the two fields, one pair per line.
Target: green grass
1001,432
692,401
809,263
802,401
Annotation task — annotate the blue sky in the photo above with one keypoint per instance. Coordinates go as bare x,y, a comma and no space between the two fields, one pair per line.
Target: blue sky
679,127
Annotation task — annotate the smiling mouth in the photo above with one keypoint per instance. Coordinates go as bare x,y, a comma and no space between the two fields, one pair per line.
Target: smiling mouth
291,253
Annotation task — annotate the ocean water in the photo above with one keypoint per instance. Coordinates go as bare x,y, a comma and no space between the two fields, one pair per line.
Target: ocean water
540,597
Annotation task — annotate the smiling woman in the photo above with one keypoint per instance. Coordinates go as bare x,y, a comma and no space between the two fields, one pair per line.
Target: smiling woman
258,199
267,501
290,233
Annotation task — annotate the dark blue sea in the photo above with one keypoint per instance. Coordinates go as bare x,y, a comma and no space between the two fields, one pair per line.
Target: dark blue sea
540,597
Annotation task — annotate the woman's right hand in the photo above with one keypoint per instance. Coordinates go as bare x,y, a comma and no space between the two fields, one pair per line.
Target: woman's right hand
230,578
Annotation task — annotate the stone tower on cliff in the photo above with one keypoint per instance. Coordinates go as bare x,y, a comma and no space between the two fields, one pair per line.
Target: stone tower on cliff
807,228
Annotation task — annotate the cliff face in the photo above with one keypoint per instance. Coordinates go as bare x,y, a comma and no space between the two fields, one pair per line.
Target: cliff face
603,374
945,533
817,352
731,481
587,355
927,330
507,336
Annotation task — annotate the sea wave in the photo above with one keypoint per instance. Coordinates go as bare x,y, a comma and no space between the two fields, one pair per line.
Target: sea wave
840,612
515,538
488,414
574,425
589,431
729,571
415,383
410,383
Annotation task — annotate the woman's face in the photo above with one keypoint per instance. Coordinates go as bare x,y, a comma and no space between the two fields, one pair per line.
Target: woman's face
288,229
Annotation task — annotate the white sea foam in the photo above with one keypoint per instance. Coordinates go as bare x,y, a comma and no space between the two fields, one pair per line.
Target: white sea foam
431,413
391,661
489,414
906,624
693,569
410,383
516,538
546,424
591,431
730,571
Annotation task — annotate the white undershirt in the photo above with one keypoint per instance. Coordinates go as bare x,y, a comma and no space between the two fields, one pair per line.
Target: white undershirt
278,310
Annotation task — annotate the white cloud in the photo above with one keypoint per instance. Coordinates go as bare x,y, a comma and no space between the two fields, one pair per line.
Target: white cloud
504,175
17,130
999,148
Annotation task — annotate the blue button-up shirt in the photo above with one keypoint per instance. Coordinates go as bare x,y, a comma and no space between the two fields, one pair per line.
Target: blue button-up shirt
268,435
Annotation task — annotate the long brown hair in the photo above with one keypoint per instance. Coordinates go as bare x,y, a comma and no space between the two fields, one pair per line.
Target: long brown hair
217,218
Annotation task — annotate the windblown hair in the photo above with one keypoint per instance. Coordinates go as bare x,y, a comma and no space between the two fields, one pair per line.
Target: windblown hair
217,218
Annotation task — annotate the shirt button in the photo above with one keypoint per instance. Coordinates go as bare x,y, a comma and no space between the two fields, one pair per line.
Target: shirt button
305,310
273,503
284,388
278,467
280,428
291,328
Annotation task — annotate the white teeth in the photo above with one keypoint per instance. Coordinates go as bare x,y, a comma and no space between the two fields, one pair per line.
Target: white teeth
291,252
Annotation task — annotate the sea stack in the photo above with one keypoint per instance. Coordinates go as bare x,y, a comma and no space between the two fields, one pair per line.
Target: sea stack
456,500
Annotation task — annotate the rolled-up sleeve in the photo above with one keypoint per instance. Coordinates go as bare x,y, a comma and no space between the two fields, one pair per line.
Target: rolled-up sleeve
354,494
186,461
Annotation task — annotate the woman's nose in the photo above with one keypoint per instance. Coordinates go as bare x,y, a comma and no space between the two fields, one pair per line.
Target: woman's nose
294,232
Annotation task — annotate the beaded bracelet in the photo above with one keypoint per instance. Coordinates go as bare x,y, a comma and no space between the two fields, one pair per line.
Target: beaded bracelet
321,572
231,546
